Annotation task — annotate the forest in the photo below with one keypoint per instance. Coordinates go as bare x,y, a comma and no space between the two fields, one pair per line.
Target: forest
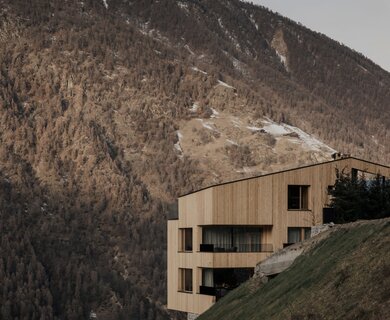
356,198
91,99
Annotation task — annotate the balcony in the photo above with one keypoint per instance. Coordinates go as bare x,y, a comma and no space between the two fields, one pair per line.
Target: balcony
217,292
238,247
234,239
219,282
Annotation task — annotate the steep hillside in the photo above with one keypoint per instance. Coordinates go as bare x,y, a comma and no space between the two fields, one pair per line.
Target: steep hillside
343,275
110,109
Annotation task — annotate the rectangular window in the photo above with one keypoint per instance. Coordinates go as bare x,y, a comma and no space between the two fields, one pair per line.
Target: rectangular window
207,277
307,233
232,239
185,280
294,235
185,239
297,234
298,197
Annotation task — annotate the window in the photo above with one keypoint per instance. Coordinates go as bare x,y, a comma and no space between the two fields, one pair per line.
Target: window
354,173
307,233
185,280
298,197
294,235
207,277
297,234
232,239
219,281
185,239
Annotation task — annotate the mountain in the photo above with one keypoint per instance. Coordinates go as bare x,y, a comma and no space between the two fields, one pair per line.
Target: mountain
111,109
342,274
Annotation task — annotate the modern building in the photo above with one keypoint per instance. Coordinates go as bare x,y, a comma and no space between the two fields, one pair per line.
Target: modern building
223,231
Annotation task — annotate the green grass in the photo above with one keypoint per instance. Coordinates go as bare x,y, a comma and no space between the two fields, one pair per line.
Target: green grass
346,276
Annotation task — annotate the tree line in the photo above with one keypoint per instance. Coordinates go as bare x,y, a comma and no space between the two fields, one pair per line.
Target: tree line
359,197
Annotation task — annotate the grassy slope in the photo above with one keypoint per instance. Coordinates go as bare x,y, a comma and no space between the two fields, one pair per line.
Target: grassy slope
345,276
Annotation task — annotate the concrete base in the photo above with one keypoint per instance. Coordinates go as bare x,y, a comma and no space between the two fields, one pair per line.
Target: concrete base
321,228
278,262
192,316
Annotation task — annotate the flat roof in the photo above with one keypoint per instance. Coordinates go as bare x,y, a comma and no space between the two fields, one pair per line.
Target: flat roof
271,173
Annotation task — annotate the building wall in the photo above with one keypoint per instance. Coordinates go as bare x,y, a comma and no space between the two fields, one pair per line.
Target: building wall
182,301
260,201
247,202
195,260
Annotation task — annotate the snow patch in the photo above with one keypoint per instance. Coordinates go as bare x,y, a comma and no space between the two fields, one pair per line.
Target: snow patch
183,6
220,23
194,108
144,28
282,58
189,49
253,21
294,141
361,67
208,125
105,3
238,65
253,128
276,129
236,123
224,84
179,135
232,142
154,34
215,113
232,38
177,144
307,141
311,142
198,70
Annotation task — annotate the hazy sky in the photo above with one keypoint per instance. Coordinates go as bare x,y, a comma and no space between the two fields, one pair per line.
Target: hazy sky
363,25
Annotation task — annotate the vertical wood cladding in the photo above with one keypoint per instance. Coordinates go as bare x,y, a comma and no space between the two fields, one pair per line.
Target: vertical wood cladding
259,201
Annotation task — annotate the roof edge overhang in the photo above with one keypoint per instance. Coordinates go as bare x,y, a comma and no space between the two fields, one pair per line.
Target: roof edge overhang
287,170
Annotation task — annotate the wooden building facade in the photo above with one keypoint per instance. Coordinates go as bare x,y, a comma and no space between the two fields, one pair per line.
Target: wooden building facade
223,231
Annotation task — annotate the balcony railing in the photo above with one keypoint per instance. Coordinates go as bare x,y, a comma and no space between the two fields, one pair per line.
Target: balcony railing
217,292
241,247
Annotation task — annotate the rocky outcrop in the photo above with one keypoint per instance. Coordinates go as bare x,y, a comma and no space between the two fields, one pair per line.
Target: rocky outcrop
283,259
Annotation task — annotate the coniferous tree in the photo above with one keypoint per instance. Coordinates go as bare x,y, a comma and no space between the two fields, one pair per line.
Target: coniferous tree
356,198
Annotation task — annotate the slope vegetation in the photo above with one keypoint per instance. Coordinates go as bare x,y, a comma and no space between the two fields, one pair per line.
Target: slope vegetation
343,276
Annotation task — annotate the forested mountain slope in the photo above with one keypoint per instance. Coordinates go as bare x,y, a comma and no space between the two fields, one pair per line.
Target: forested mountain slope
110,109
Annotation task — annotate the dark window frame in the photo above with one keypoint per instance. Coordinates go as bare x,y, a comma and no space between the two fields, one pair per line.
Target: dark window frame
186,284
304,233
186,243
298,197
233,238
